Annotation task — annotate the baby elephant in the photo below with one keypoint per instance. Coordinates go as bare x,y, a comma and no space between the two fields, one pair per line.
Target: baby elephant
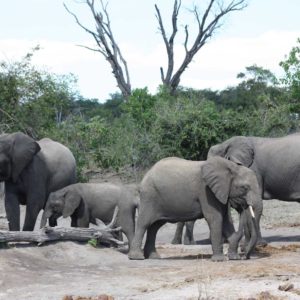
86,202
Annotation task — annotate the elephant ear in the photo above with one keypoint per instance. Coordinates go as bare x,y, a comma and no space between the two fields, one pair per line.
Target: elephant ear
23,150
72,201
240,151
218,177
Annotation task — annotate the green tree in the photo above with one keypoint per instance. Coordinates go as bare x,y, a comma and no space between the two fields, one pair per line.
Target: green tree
258,88
33,100
291,67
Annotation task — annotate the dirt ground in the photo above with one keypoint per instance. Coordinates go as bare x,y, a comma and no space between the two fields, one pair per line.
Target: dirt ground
68,270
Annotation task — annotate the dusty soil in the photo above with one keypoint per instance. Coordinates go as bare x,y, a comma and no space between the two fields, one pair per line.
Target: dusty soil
67,270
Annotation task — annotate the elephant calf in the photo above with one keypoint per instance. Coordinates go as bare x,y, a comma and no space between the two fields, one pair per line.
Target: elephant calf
86,202
176,189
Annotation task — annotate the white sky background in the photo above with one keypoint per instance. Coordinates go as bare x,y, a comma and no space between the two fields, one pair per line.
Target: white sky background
261,34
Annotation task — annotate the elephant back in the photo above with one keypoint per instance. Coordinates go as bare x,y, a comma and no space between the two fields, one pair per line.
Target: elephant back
58,163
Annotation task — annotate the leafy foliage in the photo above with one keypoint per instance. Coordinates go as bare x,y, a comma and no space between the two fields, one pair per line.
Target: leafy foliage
291,67
145,128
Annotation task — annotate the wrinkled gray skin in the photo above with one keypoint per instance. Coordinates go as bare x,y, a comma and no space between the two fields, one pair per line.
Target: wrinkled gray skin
175,190
86,202
275,161
31,170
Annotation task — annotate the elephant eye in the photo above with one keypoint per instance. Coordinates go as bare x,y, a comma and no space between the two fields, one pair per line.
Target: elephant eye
246,188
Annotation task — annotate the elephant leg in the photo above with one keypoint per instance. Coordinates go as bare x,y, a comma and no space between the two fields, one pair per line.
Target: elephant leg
261,241
53,221
83,223
35,202
145,219
149,249
228,227
215,222
12,208
247,237
189,233
73,221
258,213
177,239
30,217
126,219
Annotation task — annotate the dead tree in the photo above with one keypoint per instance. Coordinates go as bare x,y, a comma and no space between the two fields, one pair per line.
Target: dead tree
107,44
207,23
50,234
105,234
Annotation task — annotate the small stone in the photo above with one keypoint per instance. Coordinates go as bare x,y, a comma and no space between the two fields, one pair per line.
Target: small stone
286,287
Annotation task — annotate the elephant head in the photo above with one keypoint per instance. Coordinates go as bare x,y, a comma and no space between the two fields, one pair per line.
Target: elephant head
238,149
16,152
63,202
236,185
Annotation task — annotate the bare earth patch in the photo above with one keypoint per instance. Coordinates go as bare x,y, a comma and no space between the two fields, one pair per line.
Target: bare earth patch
69,270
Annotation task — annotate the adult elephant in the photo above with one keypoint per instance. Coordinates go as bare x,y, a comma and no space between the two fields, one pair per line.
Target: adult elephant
275,161
31,170
176,189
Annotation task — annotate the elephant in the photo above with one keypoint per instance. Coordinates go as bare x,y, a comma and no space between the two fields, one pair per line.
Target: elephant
86,202
188,238
275,161
176,189
31,170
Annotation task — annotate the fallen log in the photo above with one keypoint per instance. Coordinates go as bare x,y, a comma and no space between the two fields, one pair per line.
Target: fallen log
48,234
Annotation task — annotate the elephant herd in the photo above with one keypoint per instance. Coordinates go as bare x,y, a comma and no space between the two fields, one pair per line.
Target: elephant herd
238,173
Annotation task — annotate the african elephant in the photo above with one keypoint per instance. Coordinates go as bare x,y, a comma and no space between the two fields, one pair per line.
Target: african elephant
275,161
86,202
176,189
188,237
31,170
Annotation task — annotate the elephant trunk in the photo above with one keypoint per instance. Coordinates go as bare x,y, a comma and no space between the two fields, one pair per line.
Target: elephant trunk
46,215
251,224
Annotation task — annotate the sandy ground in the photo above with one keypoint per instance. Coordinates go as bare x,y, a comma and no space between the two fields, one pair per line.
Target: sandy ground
59,269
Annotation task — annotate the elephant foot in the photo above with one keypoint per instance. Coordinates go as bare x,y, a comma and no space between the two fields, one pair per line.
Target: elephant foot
152,255
189,242
234,256
176,241
218,257
136,255
261,243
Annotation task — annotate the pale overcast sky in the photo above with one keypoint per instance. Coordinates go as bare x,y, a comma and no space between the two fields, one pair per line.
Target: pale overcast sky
260,34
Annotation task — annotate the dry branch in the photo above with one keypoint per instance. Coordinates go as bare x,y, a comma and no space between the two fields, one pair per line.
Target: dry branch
207,24
107,44
50,234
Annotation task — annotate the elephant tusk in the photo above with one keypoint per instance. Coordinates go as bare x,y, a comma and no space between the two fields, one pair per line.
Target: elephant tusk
251,211
114,218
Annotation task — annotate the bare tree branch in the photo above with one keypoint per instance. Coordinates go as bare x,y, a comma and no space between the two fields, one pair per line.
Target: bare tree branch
169,43
208,24
107,44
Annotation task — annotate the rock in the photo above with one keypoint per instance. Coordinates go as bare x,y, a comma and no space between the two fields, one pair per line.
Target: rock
286,287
